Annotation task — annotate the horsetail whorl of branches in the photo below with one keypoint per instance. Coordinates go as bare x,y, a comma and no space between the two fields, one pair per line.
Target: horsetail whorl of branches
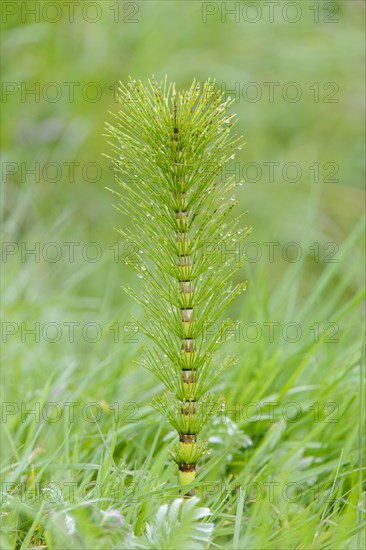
169,149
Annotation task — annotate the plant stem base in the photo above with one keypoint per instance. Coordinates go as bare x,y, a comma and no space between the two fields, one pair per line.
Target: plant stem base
186,477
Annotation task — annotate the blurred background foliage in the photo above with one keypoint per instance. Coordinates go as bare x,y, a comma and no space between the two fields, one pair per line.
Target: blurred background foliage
86,59
79,63
67,202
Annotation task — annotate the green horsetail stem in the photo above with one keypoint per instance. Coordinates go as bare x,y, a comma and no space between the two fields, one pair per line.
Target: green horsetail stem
169,151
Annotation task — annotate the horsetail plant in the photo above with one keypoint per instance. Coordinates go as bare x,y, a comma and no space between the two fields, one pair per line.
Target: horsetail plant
169,149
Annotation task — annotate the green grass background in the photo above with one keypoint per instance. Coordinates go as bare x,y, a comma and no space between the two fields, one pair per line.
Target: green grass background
309,469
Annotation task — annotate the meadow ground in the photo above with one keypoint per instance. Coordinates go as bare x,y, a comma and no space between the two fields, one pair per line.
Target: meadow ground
84,458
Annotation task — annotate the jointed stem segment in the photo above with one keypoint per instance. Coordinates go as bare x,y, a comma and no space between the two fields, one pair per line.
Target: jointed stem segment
185,282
